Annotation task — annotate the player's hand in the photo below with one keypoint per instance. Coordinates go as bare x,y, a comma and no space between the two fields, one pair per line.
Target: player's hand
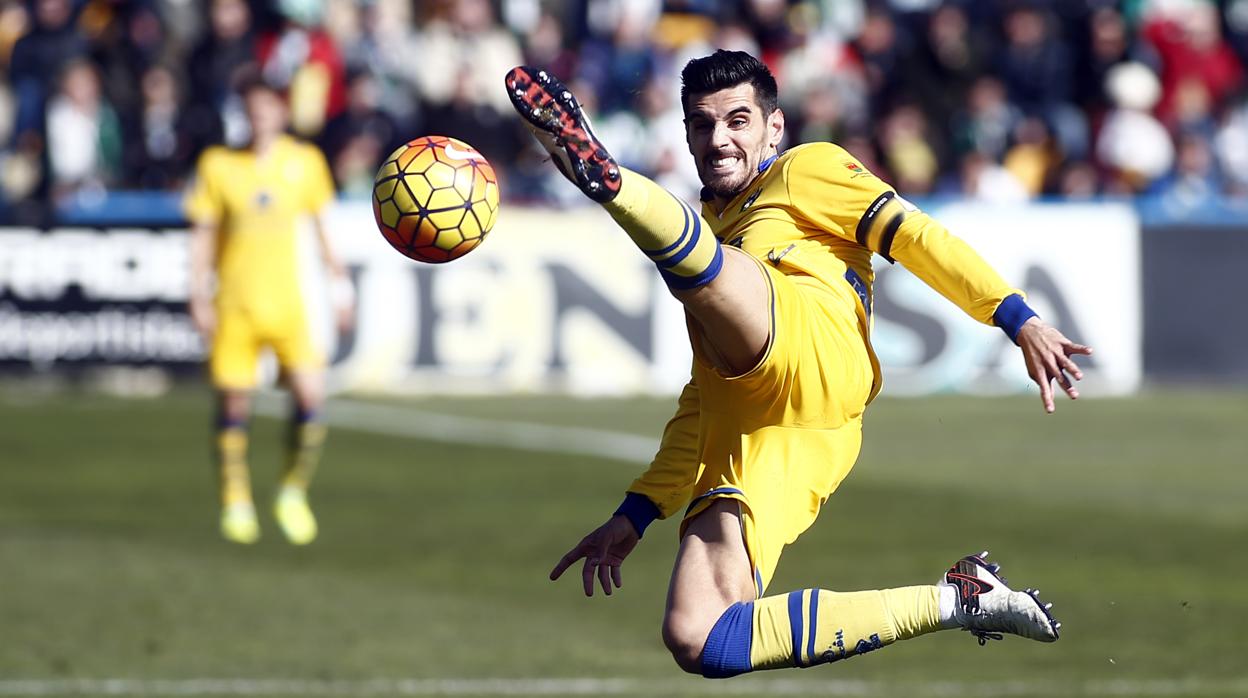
342,295
204,317
1047,353
604,551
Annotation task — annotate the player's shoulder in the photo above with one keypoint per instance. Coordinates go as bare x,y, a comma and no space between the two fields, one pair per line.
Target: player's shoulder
215,155
303,149
829,160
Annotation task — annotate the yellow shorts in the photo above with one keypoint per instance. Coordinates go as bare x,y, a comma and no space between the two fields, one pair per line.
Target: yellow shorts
780,438
242,334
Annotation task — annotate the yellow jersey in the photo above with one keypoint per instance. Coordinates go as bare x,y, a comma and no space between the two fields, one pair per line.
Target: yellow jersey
816,210
814,214
256,204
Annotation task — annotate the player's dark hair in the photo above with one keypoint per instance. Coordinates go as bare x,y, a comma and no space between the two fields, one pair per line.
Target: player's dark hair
725,69
250,77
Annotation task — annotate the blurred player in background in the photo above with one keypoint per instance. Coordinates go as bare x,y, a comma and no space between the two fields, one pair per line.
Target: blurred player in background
775,277
244,205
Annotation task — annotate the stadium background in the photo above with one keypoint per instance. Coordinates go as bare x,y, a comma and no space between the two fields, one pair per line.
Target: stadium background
491,411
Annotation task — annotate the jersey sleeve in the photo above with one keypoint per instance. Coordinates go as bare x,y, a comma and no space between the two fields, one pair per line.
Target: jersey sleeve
667,484
319,189
836,193
203,202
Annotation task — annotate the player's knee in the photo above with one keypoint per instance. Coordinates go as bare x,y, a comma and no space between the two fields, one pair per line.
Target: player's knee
685,637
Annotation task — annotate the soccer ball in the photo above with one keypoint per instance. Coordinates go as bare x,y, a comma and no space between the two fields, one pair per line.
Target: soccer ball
435,199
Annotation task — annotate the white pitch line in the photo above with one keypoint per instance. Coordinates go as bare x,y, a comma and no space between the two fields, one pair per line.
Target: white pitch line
1161,688
398,420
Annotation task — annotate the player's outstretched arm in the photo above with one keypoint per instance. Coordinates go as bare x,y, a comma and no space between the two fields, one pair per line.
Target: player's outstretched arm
1047,353
604,550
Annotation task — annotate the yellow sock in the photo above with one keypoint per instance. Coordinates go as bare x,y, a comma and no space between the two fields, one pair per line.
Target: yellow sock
668,230
307,441
813,626
232,464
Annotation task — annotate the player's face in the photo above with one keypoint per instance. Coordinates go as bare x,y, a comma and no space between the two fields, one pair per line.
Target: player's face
729,136
267,112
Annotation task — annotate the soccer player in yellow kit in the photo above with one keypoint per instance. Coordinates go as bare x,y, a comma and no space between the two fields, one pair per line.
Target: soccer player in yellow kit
775,278
244,205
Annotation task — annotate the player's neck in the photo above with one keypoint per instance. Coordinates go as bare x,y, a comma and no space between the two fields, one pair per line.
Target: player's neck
263,145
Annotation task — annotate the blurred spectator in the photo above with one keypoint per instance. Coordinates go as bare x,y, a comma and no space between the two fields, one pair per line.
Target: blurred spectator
1133,146
161,146
1034,63
1188,38
300,57
356,140
216,63
126,37
618,63
1195,181
992,99
983,179
388,49
1078,179
907,150
1232,149
544,46
84,135
38,58
883,58
14,21
987,121
464,53
654,133
1033,157
950,60
1108,45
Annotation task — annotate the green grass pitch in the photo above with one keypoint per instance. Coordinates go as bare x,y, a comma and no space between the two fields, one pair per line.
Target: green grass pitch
1130,515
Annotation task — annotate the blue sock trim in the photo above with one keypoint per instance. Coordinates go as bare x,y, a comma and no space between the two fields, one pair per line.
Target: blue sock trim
795,625
224,422
639,510
683,283
688,212
727,649
1011,314
685,249
814,625
305,416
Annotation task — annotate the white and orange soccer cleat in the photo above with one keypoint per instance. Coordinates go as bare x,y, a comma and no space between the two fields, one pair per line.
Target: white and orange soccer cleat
987,607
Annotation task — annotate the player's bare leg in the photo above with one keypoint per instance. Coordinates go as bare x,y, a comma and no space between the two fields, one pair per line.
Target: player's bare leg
306,440
715,626
722,288
238,512
712,573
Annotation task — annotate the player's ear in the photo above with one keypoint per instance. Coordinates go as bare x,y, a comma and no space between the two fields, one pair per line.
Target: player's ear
775,128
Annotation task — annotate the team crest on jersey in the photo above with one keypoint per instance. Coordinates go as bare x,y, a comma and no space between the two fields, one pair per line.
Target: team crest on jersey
750,201
858,170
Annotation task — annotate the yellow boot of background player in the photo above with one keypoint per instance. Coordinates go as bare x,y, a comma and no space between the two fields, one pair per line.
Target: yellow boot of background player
239,524
294,516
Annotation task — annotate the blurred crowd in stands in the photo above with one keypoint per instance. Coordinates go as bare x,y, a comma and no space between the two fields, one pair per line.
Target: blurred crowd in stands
1004,100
